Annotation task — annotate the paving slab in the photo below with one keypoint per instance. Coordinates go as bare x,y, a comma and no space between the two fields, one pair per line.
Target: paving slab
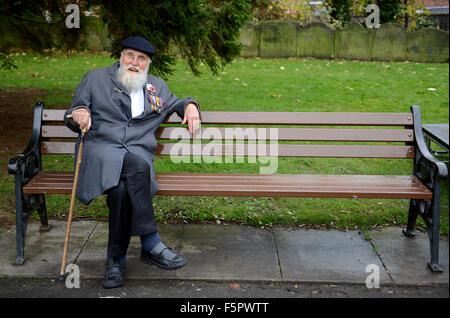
235,252
213,252
92,259
406,258
43,250
326,256
222,252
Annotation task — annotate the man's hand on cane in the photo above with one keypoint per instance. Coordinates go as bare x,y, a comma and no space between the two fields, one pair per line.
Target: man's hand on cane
82,117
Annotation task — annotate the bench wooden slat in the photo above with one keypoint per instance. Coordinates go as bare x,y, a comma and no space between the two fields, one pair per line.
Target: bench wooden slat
288,179
284,150
56,147
284,134
335,186
282,118
300,134
324,192
57,132
53,115
304,118
295,150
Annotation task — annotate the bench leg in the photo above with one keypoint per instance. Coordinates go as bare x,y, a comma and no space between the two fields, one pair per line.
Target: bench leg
42,210
20,237
21,226
433,226
430,212
25,206
413,213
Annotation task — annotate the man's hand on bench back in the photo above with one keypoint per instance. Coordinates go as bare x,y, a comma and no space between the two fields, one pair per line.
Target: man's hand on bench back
192,117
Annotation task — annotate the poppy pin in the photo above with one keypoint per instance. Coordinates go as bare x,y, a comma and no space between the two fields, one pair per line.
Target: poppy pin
151,89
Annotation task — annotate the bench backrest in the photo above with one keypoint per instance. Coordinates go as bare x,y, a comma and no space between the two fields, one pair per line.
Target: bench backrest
312,132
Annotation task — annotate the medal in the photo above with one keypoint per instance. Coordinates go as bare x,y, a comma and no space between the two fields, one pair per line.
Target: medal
156,103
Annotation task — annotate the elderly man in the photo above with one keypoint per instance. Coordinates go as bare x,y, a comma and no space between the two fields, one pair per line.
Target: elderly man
122,106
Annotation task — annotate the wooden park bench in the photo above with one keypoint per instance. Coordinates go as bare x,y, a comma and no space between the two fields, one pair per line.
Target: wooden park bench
360,135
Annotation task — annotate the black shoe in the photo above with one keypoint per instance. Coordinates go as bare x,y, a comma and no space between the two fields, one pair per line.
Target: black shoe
163,257
114,273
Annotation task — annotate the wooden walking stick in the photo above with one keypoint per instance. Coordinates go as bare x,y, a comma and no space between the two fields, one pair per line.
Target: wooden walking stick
72,201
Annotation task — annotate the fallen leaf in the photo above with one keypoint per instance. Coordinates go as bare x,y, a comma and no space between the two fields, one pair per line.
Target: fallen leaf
234,286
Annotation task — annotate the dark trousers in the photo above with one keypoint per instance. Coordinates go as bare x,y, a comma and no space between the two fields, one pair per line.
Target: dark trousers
130,205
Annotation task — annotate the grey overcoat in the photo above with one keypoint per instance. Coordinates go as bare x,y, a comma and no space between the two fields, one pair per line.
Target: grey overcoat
113,132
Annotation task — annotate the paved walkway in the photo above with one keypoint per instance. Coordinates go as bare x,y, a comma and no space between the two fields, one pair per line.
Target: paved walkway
236,253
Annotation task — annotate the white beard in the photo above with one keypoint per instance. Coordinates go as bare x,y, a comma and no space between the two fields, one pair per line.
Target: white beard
132,80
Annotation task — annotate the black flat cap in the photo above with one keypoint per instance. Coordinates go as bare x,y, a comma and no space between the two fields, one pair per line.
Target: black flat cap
139,44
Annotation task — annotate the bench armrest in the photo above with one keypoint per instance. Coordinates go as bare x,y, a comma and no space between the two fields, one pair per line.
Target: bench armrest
30,159
422,149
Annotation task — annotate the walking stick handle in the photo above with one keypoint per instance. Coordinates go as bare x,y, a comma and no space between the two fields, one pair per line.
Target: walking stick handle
83,131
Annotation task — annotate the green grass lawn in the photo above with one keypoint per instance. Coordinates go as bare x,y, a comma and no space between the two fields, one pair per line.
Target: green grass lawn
288,85
267,84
